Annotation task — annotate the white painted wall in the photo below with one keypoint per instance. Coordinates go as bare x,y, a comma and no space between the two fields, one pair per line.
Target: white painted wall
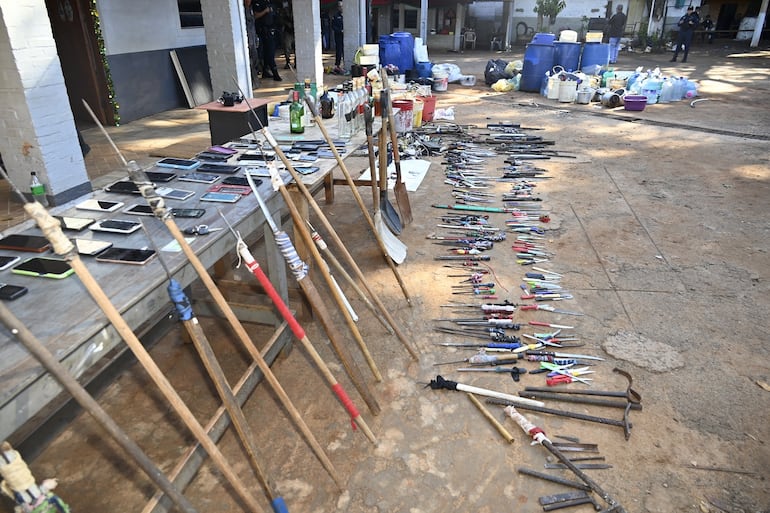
159,28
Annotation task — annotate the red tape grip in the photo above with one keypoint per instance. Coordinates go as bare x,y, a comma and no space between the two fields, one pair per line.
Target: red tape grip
294,326
347,403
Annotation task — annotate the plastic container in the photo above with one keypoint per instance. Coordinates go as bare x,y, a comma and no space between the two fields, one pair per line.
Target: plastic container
538,59
390,51
566,54
428,107
468,80
651,89
440,80
406,44
568,36
567,91
595,54
666,91
417,116
543,38
634,102
404,118
594,37
424,69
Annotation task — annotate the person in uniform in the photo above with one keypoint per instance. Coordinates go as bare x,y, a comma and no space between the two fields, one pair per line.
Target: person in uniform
687,25
265,23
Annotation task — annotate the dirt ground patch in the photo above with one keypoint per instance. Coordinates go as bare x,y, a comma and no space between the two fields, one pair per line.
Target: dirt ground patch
660,229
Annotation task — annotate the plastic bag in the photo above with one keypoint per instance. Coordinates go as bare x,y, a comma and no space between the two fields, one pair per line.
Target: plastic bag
452,70
514,67
503,85
495,70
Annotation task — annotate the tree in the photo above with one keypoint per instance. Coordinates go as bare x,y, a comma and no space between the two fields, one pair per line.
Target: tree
549,9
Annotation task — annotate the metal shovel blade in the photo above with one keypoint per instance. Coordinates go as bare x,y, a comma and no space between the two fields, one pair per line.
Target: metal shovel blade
389,213
402,196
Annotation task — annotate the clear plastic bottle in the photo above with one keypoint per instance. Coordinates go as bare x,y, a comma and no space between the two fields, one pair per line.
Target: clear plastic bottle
347,110
37,189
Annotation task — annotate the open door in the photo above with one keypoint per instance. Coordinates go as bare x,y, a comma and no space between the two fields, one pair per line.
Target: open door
81,61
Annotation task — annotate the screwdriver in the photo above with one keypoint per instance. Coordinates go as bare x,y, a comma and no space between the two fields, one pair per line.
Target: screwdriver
562,379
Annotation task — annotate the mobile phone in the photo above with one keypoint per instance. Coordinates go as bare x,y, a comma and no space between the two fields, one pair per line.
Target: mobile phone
307,158
159,176
240,180
91,247
116,226
220,169
244,190
123,187
126,256
188,212
139,210
44,267
222,197
178,163
306,170
10,292
75,224
7,261
100,205
175,194
264,156
19,242
208,155
199,178
222,149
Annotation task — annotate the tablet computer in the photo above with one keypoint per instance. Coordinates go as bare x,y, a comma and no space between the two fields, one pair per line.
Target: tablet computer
99,205
178,163
74,224
126,256
20,242
116,226
44,267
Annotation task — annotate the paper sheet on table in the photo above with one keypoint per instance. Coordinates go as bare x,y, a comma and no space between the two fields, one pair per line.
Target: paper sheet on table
412,173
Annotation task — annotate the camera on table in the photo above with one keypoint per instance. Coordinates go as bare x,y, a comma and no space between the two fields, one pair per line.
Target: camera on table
230,99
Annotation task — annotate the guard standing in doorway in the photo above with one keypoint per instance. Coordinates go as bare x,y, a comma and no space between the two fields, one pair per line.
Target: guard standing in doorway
265,22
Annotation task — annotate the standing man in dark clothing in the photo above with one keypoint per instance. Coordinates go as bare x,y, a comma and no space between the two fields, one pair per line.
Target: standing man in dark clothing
265,22
337,28
616,27
286,19
687,25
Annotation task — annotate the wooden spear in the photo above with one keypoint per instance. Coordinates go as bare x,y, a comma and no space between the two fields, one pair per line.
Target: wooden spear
89,404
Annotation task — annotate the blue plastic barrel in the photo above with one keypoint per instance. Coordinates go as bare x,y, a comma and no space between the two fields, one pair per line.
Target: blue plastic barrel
406,41
543,38
566,55
537,60
424,69
390,51
595,53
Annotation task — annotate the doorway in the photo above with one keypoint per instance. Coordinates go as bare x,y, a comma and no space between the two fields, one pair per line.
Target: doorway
81,60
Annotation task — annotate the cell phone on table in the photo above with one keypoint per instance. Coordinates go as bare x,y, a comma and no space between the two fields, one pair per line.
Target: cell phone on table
116,226
159,176
240,180
175,194
224,150
178,163
20,242
91,247
139,210
221,197
126,256
75,224
10,292
123,187
99,205
208,155
8,261
44,267
220,169
245,190
306,170
199,178
188,212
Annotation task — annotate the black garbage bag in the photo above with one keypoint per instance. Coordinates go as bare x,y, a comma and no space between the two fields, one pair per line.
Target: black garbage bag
495,70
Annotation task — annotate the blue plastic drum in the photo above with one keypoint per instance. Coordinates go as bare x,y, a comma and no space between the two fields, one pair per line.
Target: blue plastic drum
390,51
595,54
424,69
566,55
406,42
538,59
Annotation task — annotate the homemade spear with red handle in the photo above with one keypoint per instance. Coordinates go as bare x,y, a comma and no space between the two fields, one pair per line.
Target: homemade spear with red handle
299,270
538,436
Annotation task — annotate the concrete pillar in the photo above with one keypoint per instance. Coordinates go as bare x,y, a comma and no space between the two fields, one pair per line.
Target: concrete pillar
35,117
351,10
227,46
459,24
509,34
307,41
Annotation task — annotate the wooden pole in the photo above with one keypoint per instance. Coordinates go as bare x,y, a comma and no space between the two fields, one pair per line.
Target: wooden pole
89,404
62,246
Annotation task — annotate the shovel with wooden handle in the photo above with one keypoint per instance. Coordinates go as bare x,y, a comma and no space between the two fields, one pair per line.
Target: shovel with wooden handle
402,196
389,214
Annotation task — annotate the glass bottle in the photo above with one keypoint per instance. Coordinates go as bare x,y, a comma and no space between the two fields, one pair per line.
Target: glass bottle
327,104
37,189
296,115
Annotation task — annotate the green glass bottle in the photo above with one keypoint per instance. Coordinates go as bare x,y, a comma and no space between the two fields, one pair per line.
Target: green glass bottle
296,115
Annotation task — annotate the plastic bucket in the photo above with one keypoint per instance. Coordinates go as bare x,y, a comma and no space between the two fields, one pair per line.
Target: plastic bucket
595,54
440,80
568,36
568,91
404,118
424,69
538,59
428,107
417,116
566,55
543,38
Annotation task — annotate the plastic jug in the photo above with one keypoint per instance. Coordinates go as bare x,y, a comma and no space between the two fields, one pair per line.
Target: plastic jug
666,91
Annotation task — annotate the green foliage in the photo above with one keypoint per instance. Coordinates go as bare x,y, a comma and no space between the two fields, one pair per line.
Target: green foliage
550,8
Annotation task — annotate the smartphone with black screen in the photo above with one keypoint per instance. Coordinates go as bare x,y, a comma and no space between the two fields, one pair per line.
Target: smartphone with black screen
10,292
125,256
8,261
44,267
116,226
19,242
123,187
188,212
139,210
178,163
